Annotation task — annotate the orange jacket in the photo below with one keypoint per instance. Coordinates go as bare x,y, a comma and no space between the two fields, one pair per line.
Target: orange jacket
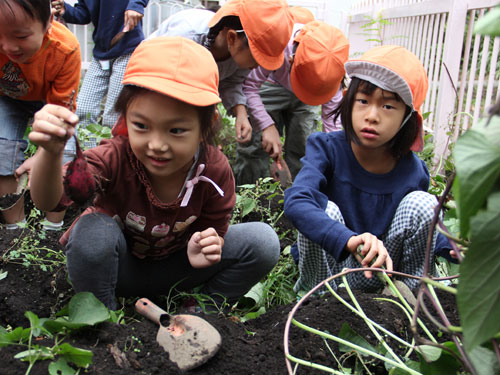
52,73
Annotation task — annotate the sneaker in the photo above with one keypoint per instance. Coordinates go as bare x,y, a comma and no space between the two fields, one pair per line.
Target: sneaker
49,225
14,226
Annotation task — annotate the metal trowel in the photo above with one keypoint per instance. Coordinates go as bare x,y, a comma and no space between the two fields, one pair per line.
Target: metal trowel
9,200
189,340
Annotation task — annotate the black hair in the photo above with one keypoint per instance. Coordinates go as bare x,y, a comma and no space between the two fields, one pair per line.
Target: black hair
401,143
36,9
231,22
209,128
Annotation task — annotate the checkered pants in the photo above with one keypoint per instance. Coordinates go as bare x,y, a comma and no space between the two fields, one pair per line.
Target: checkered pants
99,84
405,240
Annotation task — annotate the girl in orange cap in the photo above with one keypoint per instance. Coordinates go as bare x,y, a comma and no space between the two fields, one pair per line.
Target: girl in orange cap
364,186
242,35
165,194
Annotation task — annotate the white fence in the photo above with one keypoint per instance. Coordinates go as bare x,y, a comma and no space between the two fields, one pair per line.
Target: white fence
463,68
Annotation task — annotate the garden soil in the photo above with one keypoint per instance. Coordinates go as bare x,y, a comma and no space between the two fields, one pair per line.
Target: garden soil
253,347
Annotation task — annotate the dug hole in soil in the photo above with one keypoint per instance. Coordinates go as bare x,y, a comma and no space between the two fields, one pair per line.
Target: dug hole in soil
253,347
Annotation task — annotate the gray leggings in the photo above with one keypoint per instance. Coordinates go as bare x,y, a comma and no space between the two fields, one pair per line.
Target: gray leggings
98,261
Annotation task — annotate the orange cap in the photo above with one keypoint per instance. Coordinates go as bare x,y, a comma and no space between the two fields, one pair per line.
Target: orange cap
268,25
301,14
173,66
395,69
318,66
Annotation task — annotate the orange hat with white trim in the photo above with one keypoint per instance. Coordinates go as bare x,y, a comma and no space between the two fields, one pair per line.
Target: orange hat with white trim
318,65
395,69
176,67
301,14
268,25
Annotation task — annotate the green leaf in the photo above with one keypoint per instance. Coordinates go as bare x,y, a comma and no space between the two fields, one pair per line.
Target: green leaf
17,335
414,365
489,24
478,293
85,308
3,275
254,314
440,361
80,357
484,360
248,206
477,160
348,334
61,367
36,353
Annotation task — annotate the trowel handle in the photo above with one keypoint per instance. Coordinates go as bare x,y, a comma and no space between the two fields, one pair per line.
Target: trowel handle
148,309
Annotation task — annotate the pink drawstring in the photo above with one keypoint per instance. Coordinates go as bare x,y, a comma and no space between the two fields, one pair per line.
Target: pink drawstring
190,185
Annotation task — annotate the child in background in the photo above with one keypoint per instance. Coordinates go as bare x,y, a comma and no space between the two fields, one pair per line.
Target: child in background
104,76
364,185
282,101
165,196
242,35
39,63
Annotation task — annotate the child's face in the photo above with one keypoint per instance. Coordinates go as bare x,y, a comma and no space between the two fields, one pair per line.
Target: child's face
20,35
164,134
376,118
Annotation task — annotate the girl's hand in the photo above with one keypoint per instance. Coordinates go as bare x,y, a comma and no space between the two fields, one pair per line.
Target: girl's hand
53,125
204,248
373,250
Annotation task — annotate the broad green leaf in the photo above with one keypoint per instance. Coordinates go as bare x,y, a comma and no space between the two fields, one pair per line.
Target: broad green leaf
3,275
489,24
440,361
256,294
348,334
61,367
17,335
36,324
477,160
484,361
80,357
478,293
248,206
85,308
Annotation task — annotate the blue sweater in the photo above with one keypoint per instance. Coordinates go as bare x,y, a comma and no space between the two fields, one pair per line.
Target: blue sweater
107,18
367,201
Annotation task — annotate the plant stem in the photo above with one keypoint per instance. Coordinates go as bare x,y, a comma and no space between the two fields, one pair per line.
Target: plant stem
385,330
354,346
313,365
408,307
368,323
439,285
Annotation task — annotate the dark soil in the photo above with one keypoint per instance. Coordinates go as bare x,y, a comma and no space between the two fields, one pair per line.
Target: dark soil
253,347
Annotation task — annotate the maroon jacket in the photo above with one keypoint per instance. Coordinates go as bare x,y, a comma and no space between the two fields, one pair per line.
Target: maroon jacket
151,227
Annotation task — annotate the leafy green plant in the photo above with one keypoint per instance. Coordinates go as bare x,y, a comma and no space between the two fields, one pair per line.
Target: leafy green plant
226,136
91,135
83,310
257,199
29,251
